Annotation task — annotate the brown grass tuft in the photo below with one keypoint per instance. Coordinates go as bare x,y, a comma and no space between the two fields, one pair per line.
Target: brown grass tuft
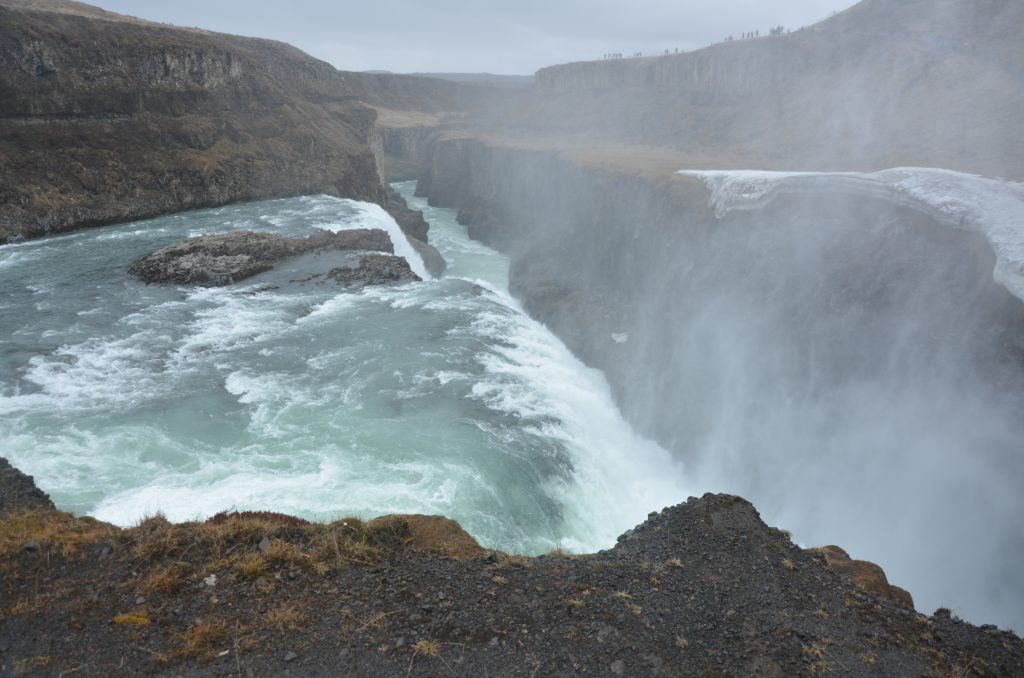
200,638
139,618
250,566
165,579
286,617
63,531
156,537
268,517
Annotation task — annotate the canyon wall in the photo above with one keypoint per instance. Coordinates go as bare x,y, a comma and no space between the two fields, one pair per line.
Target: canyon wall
830,348
883,84
105,118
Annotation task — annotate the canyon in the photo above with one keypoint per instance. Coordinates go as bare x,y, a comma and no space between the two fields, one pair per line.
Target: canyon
721,233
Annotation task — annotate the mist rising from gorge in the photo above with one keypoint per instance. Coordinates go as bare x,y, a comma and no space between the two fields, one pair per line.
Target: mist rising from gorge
847,363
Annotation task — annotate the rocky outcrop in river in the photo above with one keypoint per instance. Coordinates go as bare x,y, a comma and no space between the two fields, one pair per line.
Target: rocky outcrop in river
225,258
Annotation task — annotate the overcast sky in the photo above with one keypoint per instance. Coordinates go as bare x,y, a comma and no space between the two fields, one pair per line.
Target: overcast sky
519,37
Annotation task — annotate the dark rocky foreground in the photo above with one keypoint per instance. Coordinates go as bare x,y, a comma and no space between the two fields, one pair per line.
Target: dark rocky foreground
224,258
704,588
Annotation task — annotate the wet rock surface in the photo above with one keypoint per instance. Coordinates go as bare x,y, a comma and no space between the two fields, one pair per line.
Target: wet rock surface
373,269
225,258
702,588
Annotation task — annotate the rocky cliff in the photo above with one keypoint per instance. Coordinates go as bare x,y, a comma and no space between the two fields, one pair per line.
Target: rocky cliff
883,84
105,118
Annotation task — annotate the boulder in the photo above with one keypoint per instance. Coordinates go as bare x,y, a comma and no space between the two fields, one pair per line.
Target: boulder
373,269
224,258
864,574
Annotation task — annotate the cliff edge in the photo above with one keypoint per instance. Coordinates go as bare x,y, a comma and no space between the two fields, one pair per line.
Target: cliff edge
702,588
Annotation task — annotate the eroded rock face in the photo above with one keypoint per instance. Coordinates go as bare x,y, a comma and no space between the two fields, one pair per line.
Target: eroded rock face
224,258
18,491
864,574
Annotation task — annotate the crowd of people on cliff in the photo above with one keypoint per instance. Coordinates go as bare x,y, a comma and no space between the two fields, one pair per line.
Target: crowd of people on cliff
746,35
752,35
634,55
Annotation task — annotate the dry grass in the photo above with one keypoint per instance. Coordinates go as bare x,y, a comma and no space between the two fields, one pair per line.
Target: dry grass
674,563
957,671
250,566
509,562
156,538
285,554
435,534
61,531
376,621
198,640
165,579
139,618
344,542
426,648
232,542
286,617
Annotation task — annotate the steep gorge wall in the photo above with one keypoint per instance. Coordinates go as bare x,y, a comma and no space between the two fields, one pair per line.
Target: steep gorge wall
826,346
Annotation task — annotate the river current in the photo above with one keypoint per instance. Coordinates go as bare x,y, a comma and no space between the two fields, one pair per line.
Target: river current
126,400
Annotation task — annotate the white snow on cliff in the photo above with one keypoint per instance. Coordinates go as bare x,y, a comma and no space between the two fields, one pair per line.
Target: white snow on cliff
992,207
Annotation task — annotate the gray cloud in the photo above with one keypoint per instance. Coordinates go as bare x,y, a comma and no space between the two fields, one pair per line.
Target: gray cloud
470,36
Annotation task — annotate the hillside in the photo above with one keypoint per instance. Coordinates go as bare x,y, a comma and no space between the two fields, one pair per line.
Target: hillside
105,118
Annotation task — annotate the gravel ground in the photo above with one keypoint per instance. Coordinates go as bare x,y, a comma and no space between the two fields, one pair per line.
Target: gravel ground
704,588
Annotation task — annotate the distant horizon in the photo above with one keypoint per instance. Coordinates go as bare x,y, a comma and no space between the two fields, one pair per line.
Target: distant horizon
458,37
